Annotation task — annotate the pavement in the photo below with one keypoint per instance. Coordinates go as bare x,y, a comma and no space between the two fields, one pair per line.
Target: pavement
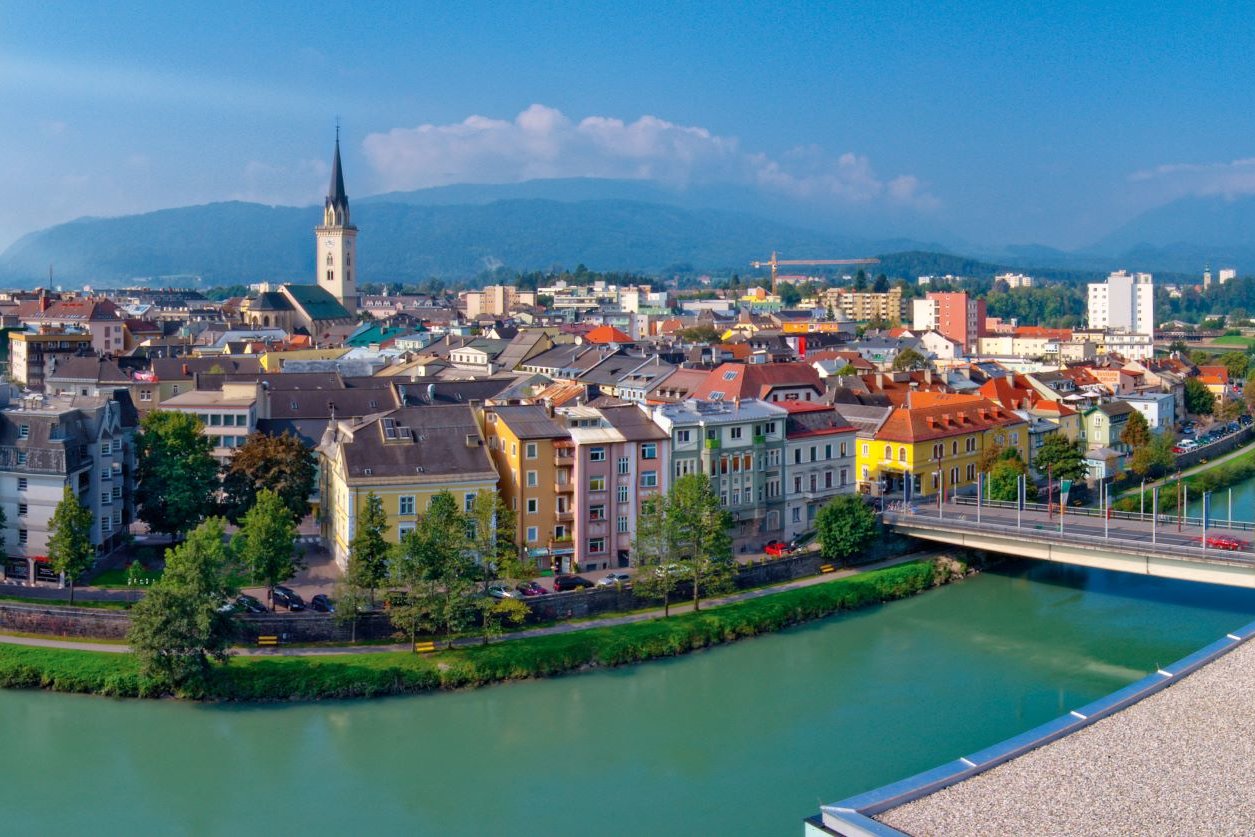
562,628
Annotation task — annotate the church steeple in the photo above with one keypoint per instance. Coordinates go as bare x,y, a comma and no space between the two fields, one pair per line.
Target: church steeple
336,209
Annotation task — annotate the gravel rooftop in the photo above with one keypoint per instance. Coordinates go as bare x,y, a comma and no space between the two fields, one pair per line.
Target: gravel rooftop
1179,762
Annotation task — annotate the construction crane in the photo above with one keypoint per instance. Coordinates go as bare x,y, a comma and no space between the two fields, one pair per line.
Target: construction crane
775,261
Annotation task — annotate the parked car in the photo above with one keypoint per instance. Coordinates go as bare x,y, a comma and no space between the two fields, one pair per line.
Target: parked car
1178,449
500,590
248,604
531,588
322,604
1245,420
614,579
288,598
776,548
802,541
564,583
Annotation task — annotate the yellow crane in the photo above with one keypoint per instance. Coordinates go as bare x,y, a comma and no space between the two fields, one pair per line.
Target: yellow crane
775,261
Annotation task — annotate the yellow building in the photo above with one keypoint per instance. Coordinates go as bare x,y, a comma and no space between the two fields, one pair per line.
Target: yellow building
527,445
273,361
935,443
406,457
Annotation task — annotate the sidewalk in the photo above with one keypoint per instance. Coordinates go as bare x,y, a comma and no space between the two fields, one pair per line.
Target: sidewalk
465,642
1189,472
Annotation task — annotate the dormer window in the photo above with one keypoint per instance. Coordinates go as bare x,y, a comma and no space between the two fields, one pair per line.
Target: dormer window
24,431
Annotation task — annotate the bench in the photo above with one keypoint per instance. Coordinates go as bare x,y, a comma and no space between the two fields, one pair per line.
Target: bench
425,647
827,568
267,640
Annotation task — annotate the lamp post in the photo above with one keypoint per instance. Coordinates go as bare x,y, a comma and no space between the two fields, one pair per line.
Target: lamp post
1142,496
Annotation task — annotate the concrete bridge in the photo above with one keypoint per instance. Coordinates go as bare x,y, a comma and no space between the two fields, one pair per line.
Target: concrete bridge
1186,548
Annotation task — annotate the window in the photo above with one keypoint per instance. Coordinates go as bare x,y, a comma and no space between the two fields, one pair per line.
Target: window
21,509
843,453
405,505
597,483
730,375
145,395
649,450
24,431
597,454
889,452
827,451
734,433
621,525
716,396
105,498
104,448
901,454
559,532
845,476
683,437
649,479
864,449
624,464
827,479
533,479
1015,438
22,483
533,505
596,545
21,536
117,492
533,533
530,450
971,473
623,494
468,501
404,529
21,457
215,420
597,512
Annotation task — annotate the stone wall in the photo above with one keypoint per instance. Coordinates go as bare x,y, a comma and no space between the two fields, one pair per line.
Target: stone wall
64,621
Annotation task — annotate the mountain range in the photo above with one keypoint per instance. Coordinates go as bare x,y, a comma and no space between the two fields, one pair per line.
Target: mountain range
457,232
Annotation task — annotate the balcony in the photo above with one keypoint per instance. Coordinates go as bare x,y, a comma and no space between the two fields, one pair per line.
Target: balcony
564,487
565,517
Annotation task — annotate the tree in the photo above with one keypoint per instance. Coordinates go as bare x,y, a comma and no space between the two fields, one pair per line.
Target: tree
1063,459
435,568
492,523
1238,364
369,550
495,613
281,463
699,527
70,549
909,359
1228,409
846,371
789,295
1199,400
1153,459
1136,432
177,476
179,626
860,280
845,526
654,552
266,543
1004,478
881,285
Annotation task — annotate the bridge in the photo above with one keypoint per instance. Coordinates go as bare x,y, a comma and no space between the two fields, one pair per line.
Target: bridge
1164,545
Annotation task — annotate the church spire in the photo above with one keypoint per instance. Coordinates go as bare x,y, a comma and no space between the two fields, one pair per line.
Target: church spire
337,206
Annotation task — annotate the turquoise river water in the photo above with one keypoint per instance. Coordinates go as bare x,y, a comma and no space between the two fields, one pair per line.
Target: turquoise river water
744,739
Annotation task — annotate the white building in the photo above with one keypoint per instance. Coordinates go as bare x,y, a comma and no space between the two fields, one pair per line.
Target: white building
1227,273
1159,408
1015,280
1125,302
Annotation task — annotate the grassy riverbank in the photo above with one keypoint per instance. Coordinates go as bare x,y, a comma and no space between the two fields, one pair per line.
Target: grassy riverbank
369,675
1221,476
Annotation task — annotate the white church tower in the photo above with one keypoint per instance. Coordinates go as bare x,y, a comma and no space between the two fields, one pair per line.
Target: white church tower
335,241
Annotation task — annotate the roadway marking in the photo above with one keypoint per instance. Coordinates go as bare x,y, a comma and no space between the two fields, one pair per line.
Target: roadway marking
1079,715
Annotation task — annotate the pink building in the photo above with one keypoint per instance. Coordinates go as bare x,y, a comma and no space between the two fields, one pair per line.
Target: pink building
959,317
621,458
98,317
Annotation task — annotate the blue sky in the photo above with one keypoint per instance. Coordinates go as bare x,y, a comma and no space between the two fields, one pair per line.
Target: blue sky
1051,124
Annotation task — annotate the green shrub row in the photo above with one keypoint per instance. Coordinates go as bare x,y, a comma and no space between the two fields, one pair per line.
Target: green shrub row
370,675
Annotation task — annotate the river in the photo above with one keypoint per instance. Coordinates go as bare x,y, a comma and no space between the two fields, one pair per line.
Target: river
743,739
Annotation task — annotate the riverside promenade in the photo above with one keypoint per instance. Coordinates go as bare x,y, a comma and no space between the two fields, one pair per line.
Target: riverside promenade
1169,754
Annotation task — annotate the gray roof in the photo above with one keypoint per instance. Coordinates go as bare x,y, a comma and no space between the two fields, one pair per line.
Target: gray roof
530,422
634,423
427,442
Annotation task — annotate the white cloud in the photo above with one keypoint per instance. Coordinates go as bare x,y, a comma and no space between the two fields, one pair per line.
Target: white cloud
1176,180
542,142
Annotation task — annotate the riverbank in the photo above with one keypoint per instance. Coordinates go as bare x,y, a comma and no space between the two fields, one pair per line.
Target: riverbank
1228,471
394,673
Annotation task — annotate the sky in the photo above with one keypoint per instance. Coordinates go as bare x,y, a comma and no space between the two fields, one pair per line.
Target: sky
996,123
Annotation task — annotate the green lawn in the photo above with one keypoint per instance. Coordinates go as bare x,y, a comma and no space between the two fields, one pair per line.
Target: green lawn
121,577
1235,340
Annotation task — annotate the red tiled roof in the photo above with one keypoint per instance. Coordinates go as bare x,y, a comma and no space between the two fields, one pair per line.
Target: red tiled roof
606,334
757,380
946,414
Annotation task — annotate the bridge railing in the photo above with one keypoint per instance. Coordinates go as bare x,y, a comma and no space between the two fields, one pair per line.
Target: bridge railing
1081,511
1168,546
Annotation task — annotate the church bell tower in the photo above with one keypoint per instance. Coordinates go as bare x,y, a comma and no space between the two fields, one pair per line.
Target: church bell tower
335,241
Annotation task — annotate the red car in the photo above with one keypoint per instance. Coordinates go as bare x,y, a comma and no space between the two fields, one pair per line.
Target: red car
1225,542
531,588
776,548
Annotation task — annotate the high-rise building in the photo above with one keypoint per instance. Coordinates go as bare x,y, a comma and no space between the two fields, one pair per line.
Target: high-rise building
1125,302
955,315
1015,280
335,239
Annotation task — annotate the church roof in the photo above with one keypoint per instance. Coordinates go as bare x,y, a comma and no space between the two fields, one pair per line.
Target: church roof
335,192
269,301
316,303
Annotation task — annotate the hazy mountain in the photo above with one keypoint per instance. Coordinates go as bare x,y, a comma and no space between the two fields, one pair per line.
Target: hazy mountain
1185,235
243,242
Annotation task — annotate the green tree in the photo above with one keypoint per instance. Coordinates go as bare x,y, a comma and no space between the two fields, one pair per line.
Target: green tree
1136,432
179,627
266,543
1238,364
699,526
909,359
177,476
369,550
495,614
280,463
881,285
1227,409
435,568
70,549
845,526
654,552
1063,459
1199,400
1004,478
1155,458
846,371
789,295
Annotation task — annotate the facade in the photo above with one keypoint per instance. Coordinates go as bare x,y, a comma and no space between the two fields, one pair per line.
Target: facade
1015,280
935,444
955,315
818,463
864,306
229,415
34,354
740,446
97,316
497,301
335,241
1102,425
1125,302
527,445
49,442
620,459
1159,408
406,457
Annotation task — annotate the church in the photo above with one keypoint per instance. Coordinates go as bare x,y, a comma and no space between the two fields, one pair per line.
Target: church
332,302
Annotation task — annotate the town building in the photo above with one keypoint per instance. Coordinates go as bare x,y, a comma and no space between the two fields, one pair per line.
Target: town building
819,462
228,415
497,301
865,306
1015,280
955,315
527,446
1125,302
33,354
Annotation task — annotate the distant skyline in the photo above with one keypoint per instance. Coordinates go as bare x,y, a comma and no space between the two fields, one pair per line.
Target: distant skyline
983,122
